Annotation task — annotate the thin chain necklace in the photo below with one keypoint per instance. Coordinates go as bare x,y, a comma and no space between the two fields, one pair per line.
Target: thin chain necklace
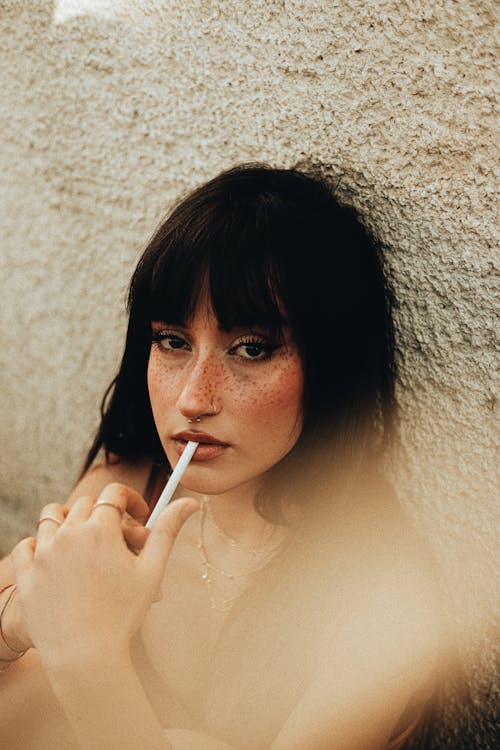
209,571
254,551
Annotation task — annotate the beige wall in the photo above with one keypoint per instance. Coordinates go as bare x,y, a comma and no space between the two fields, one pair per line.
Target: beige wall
106,117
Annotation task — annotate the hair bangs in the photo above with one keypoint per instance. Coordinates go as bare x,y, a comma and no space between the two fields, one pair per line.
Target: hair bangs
245,280
232,257
177,281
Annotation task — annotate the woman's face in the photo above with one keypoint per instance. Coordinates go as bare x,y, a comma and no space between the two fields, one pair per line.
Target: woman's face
246,386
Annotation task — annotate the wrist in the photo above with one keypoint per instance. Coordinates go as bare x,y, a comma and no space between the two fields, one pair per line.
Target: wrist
11,647
13,642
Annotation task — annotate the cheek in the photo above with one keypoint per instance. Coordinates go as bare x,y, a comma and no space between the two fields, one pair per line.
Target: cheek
161,385
275,399
272,398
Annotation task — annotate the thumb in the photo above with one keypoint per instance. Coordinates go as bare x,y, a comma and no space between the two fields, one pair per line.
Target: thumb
160,541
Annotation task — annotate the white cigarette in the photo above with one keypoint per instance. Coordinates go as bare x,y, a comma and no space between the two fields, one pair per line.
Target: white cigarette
171,485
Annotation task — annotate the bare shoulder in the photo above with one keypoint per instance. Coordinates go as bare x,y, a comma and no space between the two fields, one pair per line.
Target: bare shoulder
390,620
378,656
134,474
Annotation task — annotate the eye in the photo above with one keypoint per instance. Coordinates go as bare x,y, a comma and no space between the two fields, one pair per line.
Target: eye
168,341
253,349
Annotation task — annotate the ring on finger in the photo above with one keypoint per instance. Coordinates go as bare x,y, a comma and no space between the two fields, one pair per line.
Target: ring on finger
101,503
48,518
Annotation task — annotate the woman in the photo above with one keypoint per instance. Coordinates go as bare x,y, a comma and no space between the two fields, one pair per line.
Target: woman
297,608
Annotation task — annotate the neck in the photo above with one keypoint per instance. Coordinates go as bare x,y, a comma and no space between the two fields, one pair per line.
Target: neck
235,514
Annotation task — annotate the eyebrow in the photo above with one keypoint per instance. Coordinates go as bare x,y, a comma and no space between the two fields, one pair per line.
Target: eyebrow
284,327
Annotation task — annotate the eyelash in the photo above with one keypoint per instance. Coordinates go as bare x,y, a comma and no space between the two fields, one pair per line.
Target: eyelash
267,348
158,336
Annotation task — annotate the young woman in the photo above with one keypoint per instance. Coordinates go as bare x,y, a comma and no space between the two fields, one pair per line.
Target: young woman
296,609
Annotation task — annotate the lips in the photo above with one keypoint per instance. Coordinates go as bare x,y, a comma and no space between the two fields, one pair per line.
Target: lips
198,437
208,448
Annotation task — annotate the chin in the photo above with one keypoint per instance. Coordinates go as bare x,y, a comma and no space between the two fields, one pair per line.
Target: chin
207,487
215,483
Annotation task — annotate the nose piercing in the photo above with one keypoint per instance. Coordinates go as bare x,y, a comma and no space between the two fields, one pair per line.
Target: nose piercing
200,416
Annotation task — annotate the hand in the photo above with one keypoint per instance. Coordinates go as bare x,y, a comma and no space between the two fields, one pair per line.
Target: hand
82,592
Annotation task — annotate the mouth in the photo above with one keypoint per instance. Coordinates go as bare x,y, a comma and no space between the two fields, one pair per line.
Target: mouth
209,447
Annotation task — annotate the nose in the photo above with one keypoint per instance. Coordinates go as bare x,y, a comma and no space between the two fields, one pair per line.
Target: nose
200,388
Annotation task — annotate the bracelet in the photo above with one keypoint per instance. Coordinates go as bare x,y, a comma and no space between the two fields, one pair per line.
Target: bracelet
19,652
6,661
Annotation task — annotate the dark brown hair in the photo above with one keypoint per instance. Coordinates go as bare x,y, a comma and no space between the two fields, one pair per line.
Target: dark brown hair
268,243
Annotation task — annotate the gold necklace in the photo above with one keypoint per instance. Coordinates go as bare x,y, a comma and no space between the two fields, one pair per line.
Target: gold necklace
263,542
209,571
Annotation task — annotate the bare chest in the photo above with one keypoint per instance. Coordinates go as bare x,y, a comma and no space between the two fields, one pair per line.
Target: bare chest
180,632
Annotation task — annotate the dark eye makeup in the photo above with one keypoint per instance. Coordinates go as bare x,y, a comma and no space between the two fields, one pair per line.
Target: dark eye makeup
252,347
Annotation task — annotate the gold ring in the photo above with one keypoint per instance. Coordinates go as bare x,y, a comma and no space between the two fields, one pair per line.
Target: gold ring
106,502
48,518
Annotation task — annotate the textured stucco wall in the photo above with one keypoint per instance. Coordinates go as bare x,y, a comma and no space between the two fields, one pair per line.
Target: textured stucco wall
107,116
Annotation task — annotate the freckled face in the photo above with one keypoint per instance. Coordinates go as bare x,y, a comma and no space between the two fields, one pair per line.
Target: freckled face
255,384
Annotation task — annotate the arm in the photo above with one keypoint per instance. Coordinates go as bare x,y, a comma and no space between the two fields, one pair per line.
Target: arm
369,672
106,706
29,683
106,591
354,700
372,669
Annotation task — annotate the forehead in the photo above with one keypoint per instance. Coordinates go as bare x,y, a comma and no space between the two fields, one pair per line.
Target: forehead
245,281
217,300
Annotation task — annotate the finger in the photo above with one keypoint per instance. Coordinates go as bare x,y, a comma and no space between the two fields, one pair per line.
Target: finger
80,510
129,500
118,497
135,533
51,517
163,534
137,507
